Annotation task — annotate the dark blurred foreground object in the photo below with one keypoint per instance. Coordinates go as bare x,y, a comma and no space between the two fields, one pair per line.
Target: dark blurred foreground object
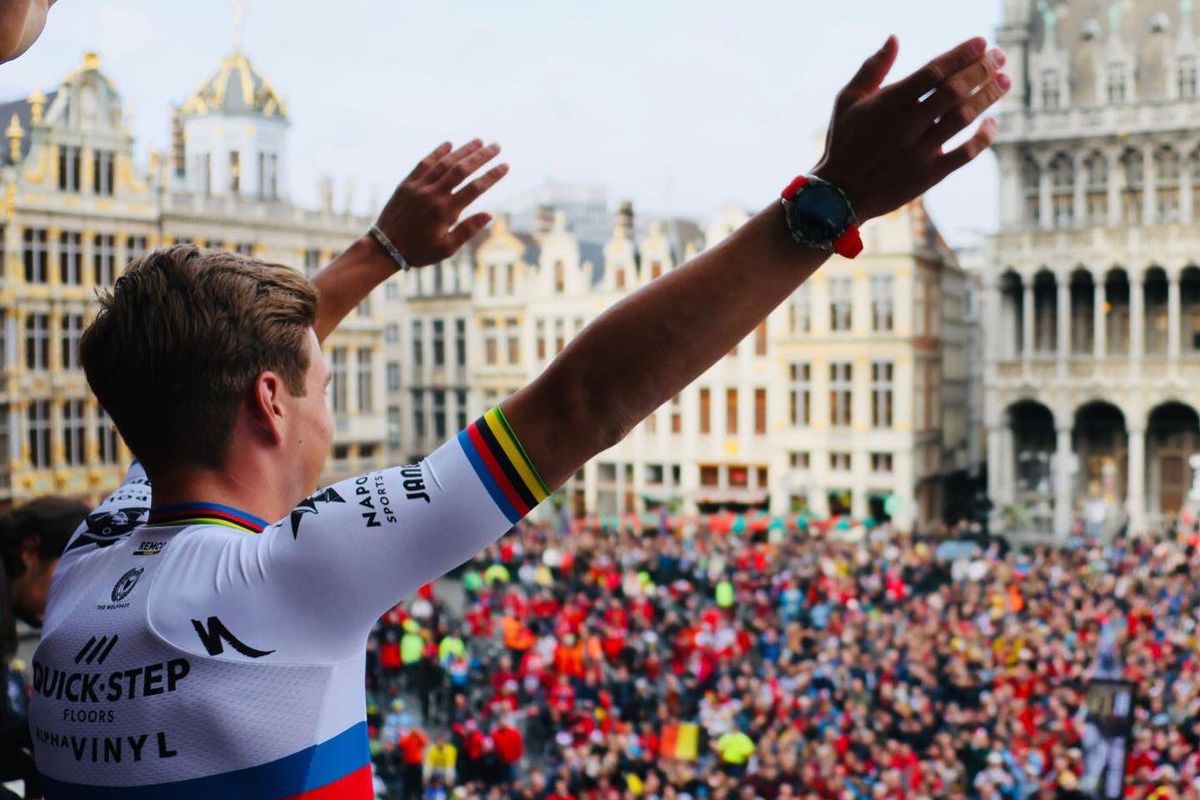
32,537
21,23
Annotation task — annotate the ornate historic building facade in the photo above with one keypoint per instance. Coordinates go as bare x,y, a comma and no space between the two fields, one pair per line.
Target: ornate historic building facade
77,209
1093,298
852,396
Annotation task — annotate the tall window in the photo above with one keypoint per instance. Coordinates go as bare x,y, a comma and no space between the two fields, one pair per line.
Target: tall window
439,414
204,172
1031,180
72,327
102,172
510,285
135,248
1133,166
881,393
731,411
391,333
393,427
539,338
37,341
312,261
1051,89
104,258
676,409
841,389
1187,77
418,343
366,400
560,335
460,342
460,409
799,311
1116,83
513,329
1096,176
235,172
73,432
34,253
560,277
801,393
268,183
491,342
760,339
760,411
882,302
705,410
439,342
418,410
1062,190
68,168
393,376
1167,172
70,258
106,437
840,303
337,360
38,430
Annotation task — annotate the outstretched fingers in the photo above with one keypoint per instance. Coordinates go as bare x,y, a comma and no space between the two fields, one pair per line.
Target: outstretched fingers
965,153
466,166
937,71
959,118
465,231
471,192
961,85
447,162
425,164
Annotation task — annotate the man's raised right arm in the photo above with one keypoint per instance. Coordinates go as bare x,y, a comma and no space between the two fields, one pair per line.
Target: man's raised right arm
884,148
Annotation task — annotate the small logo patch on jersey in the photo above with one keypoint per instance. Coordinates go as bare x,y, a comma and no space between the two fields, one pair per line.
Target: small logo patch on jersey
309,506
106,527
149,548
126,583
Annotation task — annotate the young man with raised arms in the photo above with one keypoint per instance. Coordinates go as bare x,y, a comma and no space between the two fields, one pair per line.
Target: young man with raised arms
218,649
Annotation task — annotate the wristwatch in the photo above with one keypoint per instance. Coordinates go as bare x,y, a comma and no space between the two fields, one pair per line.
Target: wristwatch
819,215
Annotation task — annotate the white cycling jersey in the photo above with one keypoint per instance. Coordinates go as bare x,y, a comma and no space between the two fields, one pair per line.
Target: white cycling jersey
195,651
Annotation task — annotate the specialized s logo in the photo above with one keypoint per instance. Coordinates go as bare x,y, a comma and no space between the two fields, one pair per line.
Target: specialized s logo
215,635
309,506
126,583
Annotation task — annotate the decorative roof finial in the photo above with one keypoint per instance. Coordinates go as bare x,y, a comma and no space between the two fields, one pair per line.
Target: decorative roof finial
239,25
15,133
37,105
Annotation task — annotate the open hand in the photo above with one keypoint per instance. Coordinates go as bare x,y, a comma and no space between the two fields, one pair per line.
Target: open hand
885,146
420,217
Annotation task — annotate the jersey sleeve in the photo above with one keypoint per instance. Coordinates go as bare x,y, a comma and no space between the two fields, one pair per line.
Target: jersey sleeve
353,550
122,511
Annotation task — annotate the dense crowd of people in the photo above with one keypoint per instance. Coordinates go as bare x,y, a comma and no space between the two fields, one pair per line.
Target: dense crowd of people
668,663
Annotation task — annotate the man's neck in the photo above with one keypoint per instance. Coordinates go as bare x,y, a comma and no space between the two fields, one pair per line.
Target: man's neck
248,490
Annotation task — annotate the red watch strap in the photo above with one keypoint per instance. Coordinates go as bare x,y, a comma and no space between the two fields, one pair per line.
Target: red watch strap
798,183
849,244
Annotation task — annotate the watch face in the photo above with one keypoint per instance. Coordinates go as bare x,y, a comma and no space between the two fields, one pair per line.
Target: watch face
819,212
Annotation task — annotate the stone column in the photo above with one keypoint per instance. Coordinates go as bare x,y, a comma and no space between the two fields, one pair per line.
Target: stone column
1136,494
1137,319
1064,501
1173,321
995,445
1149,188
1080,199
1027,341
1045,195
1186,199
1116,182
1063,307
1099,299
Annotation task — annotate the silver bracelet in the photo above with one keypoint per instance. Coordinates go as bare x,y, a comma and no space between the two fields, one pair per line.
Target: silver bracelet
386,244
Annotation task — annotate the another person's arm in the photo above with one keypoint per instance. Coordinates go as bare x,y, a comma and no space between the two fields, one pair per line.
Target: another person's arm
884,148
419,219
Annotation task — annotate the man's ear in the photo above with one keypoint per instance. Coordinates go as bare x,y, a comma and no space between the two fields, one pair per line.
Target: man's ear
268,406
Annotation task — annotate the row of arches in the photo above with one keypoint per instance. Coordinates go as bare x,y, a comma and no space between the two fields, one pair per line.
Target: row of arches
1098,468
1105,314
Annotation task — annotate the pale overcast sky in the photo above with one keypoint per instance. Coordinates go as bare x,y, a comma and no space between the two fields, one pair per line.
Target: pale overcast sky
679,105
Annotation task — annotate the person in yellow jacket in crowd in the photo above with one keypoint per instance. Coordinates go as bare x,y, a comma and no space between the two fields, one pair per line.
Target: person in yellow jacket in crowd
734,748
440,761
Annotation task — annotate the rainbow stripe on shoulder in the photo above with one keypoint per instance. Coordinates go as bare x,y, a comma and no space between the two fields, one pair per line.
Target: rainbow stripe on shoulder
503,465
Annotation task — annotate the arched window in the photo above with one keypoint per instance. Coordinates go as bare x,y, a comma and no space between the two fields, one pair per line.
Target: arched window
1062,178
1031,178
1166,173
1096,175
1133,168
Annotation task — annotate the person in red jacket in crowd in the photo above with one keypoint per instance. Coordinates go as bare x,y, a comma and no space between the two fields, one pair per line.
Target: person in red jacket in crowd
412,750
510,747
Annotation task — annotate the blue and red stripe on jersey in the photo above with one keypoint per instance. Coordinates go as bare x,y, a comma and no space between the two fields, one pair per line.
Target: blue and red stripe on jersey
502,465
336,769
205,514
